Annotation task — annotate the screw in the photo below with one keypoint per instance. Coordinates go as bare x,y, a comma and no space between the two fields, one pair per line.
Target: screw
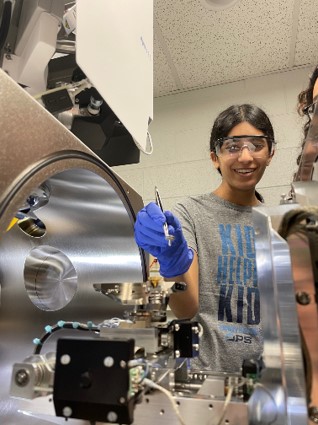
67,411
122,400
177,354
176,327
65,359
112,416
303,298
195,347
122,364
108,361
22,378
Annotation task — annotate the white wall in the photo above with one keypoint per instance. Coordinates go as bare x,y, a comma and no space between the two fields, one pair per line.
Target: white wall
180,164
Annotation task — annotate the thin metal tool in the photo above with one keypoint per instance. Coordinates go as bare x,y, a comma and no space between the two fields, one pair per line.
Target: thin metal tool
168,237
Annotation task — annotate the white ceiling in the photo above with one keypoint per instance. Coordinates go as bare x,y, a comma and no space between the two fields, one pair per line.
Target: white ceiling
197,47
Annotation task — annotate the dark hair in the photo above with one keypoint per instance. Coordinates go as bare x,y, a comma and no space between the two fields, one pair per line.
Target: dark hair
236,114
305,98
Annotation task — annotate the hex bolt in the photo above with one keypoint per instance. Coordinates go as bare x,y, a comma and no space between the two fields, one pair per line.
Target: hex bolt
67,411
303,298
22,377
112,416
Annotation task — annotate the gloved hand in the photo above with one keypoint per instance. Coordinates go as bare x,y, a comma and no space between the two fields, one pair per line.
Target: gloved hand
174,260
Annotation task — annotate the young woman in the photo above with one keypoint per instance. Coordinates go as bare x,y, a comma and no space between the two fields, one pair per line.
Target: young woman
213,249
307,100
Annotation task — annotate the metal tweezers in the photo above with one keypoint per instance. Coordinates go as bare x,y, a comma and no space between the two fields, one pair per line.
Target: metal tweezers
168,237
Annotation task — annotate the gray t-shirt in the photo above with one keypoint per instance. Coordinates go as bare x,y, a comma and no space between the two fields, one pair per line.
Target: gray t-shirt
222,234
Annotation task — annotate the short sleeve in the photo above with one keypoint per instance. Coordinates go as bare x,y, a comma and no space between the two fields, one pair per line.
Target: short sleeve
188,227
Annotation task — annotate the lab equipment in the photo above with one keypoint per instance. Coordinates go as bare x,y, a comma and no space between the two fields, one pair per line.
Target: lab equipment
168,237
81,273
86,276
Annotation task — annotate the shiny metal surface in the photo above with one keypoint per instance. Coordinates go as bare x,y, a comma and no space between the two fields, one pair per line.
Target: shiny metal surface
50,278
125,293
201,410
307,311
299,228
282,379
306,192
89,239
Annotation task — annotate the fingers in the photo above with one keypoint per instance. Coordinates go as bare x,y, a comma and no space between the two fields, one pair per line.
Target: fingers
172,220
148,236
149,227
155,213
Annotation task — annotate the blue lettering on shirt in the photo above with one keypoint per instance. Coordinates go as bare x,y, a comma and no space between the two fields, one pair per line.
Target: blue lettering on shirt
237,269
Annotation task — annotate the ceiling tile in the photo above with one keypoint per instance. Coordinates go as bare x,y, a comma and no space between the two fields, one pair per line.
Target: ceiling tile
199,47
306,51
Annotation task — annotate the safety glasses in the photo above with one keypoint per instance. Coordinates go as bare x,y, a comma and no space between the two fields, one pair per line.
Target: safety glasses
258,146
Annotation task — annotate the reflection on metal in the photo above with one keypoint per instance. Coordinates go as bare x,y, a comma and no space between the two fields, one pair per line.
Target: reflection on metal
32,226
305,192
283,377
299,228
88,212
125,293
50,278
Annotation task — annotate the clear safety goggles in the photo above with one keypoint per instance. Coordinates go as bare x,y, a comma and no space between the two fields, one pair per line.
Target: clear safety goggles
258,146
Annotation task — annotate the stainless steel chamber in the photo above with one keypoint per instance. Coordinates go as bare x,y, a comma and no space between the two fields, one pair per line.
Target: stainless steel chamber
66,222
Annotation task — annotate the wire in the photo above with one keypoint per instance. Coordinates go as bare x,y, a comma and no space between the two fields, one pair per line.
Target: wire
74,89
228,399
149,140
59,326
152,384
225,405
140,363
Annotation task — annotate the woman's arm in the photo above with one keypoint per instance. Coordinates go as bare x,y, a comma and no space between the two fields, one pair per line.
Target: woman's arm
185,304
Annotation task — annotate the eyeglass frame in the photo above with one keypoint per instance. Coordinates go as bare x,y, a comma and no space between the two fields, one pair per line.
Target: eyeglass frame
306,112
269,139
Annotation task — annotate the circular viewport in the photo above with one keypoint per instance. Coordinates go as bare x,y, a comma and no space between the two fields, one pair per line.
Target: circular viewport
50,278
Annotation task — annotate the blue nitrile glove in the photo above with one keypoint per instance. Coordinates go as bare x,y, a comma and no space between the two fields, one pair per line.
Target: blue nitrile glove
175,259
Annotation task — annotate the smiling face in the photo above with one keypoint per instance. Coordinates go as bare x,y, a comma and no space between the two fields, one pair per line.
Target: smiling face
240,174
